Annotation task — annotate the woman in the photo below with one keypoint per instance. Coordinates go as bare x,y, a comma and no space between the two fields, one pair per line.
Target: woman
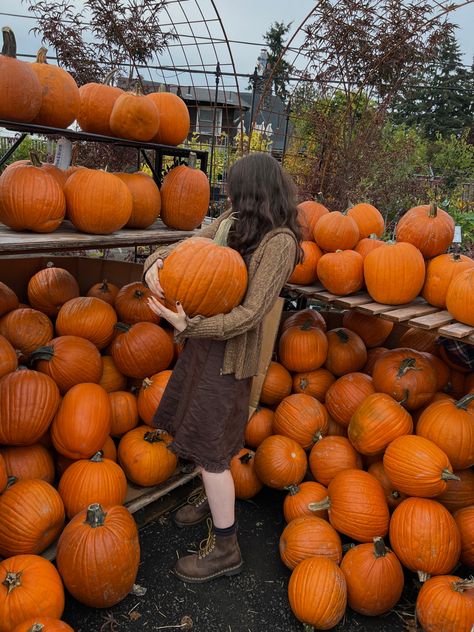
205,405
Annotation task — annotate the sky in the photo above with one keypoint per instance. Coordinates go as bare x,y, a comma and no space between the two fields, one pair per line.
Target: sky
243,20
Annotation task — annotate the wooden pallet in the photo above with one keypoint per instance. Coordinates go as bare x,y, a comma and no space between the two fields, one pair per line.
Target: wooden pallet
418,313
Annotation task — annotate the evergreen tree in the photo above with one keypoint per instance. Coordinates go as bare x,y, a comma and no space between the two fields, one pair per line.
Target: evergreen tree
440,100
274,38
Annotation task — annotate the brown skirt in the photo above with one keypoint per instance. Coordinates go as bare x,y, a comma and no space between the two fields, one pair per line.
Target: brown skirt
204,411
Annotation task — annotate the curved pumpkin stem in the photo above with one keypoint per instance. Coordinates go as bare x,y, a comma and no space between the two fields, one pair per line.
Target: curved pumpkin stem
95,516
42,353
147,383
446,475
12,581
41,55
463,584
109,76
433,212
292,489
322,504
35,161
9,42
123,327
247,457
341,334
36,627
465,401
408,364
104,287
98,457
379,547
153,436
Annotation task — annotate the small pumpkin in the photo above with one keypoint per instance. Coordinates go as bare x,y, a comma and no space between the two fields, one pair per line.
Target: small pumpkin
303,348
315,383
87,317
50,288
145,196
106,291
99,580
341,272
276,385
280,462
134,117
141,350
427,227
131,304
306,537
346,352
174,118
26,329
346,395
331,455
259,427
298,498
335,231
145,457
96,103
309,212
374,331
369,219
460,297
124,412
440,271
305,272
246,482
150,394
446,603
300,417
33,461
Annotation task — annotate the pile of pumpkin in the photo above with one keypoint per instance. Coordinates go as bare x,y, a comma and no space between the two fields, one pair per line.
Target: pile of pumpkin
344,252
81,377
38,196
369,443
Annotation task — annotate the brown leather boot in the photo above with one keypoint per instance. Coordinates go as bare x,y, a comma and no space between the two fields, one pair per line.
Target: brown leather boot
195,511
217,556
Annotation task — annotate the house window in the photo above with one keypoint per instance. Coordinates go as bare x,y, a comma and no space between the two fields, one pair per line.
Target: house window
205,117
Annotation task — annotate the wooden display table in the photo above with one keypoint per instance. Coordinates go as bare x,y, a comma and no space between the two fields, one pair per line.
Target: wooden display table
418,313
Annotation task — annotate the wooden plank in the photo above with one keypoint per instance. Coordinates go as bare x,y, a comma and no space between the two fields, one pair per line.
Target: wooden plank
325,296
456,330
66,237
432,321
379,308
352,301
306,290
400,315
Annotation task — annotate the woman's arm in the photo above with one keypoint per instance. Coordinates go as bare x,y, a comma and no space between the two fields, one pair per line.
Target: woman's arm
275,267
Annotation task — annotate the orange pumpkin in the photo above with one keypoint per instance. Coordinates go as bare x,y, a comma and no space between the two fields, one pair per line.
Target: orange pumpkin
111,380
134,117
419,340
280,462
26,329
185,195
315,383
131,304
145,457
446,603
97,202
124,412
306,537
303,348
150,394
33,461
60,94
105,291
341,272
366,245
8,357
174,118
417,466
87,317
460,297
427,227
50,288
308,214
440,271
20,90
48,625
331,455
392,495
335,231
458,493
373,330
146,199
372,356
246,482
8,299
465,522
142,349
346,352
305,272
96,103
300,417
259,427
395,274
296,503
369,220
346,394
276,385
305,316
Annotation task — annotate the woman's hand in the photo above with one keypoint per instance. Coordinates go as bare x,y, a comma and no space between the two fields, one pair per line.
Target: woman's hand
152,278
177,319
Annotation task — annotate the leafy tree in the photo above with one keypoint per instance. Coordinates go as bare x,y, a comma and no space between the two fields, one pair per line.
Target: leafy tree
280,69
440,99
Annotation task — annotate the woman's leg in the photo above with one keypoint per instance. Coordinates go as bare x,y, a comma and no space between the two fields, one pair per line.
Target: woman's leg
220,493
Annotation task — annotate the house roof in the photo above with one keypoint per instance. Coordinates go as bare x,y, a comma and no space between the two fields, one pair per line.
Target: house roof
193,94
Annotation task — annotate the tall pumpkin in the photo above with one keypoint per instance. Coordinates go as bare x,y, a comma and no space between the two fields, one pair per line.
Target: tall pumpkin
98,555
174,118
124,412
395,274
303,348
206,278
185,195
96,103
460,297
60,94
427,227
146,199
440,271
20,90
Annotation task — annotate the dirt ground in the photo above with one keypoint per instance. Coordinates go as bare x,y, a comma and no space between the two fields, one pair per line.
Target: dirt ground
254,601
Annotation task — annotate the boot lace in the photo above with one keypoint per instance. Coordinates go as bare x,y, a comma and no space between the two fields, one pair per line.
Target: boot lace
207,545
197,497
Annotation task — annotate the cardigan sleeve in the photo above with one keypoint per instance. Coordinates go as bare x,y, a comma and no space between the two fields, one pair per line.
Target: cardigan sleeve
274,269
208,231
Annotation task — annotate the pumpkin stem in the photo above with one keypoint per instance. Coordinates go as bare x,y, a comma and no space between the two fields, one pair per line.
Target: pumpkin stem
11,481
433,212
36,627
35,159
95,516
306,325
9,42
446,475
342,335
41,56
463,584
147,383
303,383
153,436
322,504
408,364
465,401
97,458
192,160
292,489
104,287
379,547
455,256
247,457
317,436
109,76
373,236
422,576
138,294
222,233
12,580
395,494
123,327
42,353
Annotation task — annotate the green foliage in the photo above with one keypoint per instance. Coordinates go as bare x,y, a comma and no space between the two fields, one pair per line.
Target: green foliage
275,40
452,159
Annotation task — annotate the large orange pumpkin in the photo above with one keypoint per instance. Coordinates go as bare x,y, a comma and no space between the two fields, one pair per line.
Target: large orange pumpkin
96,103
440,271
185,194
82,423
460,297
50,288
146,199
376,422
31,199
150,394
346,352
296,503
395,274
303,348
135,117
427,227
280,462
305,272
26,329
306,537
374,578
174,118
142,350
33,461
300,417
446,603
145,457
30,586
276,385
206,278
131,304
331,455
99,580
373,330
335,231
346,394
309,212
425,537
369,219
20,90
341,272
315,383
417,466
60,94
87,317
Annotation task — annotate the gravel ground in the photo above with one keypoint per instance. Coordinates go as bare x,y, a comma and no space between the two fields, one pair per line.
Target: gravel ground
253,601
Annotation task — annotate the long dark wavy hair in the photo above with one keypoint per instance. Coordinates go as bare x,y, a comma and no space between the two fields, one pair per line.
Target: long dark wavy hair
263,196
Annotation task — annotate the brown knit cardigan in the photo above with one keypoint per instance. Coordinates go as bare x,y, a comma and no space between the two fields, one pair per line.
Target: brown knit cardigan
269,268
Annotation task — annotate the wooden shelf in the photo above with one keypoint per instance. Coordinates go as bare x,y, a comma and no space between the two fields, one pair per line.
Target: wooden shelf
418,313
66,237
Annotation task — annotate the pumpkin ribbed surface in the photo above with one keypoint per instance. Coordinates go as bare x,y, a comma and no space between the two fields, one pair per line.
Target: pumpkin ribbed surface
8,299
300,496
144,456
300,417
174,118
206,278
331,455
150,394
105,291
427,227
303,348
369,219
96,104
142,350
124,412
346,352
276,385
246,482
464,519
131,304
308,316
259,427
392,495
335,231
280,462
185,194
26,329
8,357
446,603
134,116
460,297
346,394
440,271
146,199
341,272
50,288
305,272
306,537
309,213
112,379
315,383
49,625
33,461
89,318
